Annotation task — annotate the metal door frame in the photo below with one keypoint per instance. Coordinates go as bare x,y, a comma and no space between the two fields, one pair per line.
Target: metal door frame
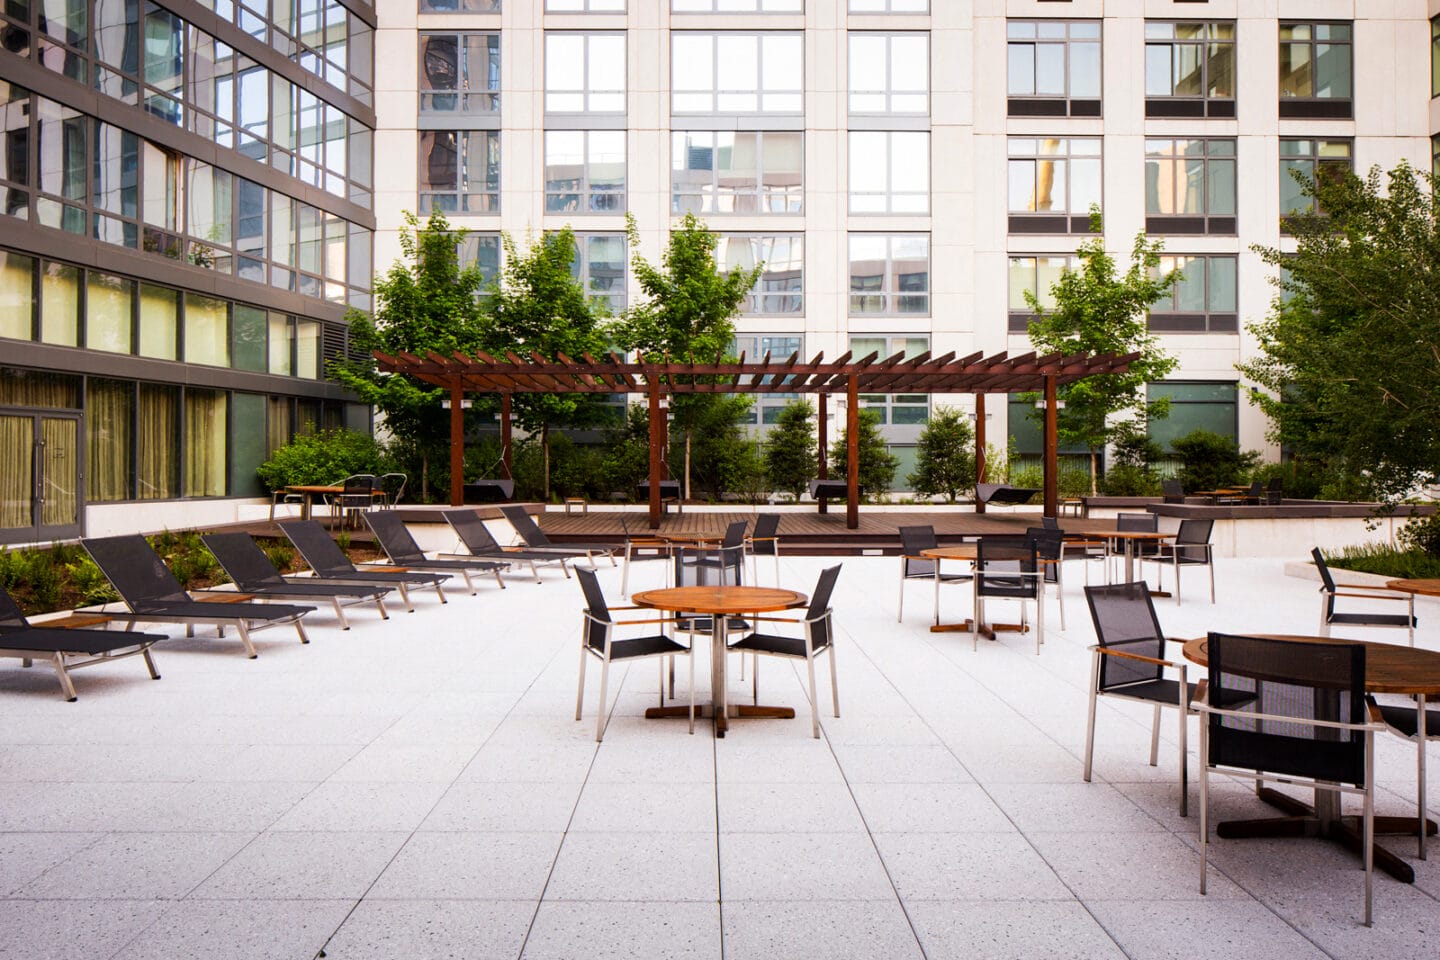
35,532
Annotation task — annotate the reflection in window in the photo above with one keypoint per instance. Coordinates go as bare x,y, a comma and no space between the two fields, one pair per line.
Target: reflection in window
1202,300
737,6
599,265
584,171
899,408
780,288
737,72
585,73
1052,176
889,172
460,171
1053,60
889,274
207,330
158,326
459,6
482,250
459,72
742,172
889,6
1036,275
109,312
1194,406
60,304
1192,61
17,296
307,349
1191,179
1315,60
1308,159
889,73
756,347
585,6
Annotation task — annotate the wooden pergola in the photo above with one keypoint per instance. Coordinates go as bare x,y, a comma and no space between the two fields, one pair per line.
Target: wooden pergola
946,374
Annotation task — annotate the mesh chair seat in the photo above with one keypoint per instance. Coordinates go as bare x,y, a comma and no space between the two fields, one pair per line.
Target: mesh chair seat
913,542
650,646
1373,619
1007,568
1406,720
773,644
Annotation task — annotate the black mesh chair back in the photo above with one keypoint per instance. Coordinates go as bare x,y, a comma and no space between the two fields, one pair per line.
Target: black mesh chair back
393,486
1125,619
594,605
767,525
135,570
1146,522
1049,545
735,536
1005,567
1256,493
323,554
358,491
705,567
472,531
1309,681
1050,523
394,539
1274,491
1190,541
820,602
1325,579
10,612
243,560
913,540
526,526
1172,490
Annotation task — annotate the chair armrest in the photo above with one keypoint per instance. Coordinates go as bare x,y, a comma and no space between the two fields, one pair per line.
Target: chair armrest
1202,693
1282,718
1374,596
1106,651
632,623
761,539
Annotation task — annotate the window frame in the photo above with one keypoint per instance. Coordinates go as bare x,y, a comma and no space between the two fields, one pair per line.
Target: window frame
1018,316
889,94
891,194
715,91
1186,105
585,92
765,410
1207,321
886,404
1317,162
1070,221
585,194
1313,105
795,7
489,206
888,7
1049,105
761,242
1153,391
889,299
792,197
465,89
1205,222
580,269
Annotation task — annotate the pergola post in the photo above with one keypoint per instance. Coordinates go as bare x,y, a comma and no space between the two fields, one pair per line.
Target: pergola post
506,464
1052,455
852,452
822,468
657,444
979,447
457,443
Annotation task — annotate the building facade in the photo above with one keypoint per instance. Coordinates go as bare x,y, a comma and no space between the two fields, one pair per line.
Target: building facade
904,168
188,212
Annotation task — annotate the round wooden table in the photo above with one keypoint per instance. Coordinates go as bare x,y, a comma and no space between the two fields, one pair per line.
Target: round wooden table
1389,668
1423,588
720,603
956,551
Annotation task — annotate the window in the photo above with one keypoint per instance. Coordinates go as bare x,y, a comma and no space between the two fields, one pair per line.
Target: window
898,408
1203,299
482,250
158,324
17,296
1435,154
1194,406
737,73
1036,275
584,171
585,73
889,171
109,428
1308,159
1315,70
1435,56
459,72
1053,68
584,6
205,443
1053,183
742,172
15,175
1190,186
755,347
780,288
109,312
60,304
889,6
207,330
459,6
157,442
889,73
599,265
889,274
737,6
460,171
1189,69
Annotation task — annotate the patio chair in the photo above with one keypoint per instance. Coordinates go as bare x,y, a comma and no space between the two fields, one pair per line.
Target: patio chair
1145,522
597,639
1403,720
1007,568
245,563
535,538
1128,663
1329,616
764,541
1275,492
1172,490
283,496
729,557
913,566
153,595
817,636
478,540
1050,554
1190,548
357,496
658,549
1304,721
392,485
405,553
1251,497
68,648
329,562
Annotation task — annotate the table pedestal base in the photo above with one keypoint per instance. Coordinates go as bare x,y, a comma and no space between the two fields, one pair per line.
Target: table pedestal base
707,710
1346,831
987,630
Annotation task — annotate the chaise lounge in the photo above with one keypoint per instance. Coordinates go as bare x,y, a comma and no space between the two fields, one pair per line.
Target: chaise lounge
253,573
481,543
330,563
404,552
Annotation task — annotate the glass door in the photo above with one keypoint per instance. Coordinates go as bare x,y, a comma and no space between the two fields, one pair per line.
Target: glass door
41,496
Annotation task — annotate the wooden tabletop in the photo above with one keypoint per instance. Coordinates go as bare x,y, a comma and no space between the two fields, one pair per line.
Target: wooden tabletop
1389,668
690,537
1429,588
720,599
313,488
958,551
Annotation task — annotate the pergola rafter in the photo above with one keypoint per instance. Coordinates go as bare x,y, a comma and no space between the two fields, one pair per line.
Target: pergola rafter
973,374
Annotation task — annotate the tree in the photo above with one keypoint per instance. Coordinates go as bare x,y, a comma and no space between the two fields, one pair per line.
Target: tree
725,457
945,456
425,301
538,305
1099,310
1209,460
790,449
1348,351
877,463
687,314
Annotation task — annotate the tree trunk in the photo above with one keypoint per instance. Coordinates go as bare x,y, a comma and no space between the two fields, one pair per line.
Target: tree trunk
545,454
1094,468
424,477
687,464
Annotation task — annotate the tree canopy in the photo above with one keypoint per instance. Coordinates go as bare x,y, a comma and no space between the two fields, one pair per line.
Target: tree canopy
790,461
1350,351
1098,309
945,456
877,463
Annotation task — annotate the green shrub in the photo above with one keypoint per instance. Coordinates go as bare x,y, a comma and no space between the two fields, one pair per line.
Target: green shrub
1209,460
280,555
1386,561
87,580
45,580
326,457
1422,534
188,558
1126,480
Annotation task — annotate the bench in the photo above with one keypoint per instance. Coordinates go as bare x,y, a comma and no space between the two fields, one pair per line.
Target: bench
1003,494
488,491
829,489
669,493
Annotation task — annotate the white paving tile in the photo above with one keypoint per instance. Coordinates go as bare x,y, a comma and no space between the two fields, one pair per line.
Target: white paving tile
433,930
834,929
620,931
635,866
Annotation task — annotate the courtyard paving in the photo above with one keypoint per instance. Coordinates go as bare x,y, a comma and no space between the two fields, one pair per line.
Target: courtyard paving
420,789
